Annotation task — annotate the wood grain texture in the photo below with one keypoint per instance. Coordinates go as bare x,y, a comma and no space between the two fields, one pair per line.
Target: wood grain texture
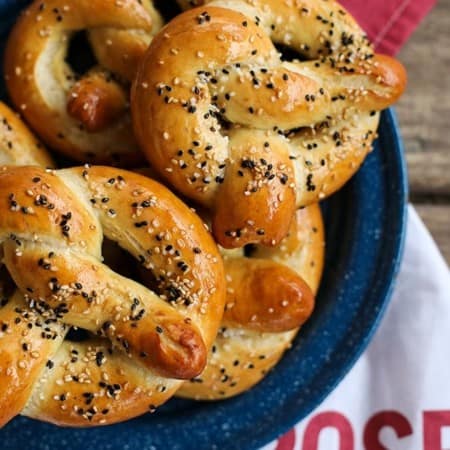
424,110
424,115
429,174
437,219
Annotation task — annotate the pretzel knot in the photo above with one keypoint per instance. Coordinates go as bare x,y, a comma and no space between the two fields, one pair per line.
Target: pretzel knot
143,342
85,118
270,294
232,126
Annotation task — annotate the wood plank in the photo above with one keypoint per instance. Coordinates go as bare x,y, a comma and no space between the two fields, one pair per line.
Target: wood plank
424,116
429,174
424,110
437,219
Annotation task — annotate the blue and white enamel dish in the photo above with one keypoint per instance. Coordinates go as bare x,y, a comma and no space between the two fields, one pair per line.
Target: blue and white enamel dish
365,225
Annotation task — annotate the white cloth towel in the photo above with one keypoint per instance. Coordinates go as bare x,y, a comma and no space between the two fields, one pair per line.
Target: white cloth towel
397,396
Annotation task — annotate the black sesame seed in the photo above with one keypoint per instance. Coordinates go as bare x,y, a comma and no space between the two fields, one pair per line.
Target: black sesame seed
99,358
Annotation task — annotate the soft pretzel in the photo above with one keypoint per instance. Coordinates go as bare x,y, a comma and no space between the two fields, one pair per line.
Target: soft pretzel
51,231
267,298
18,146
87,119
233,127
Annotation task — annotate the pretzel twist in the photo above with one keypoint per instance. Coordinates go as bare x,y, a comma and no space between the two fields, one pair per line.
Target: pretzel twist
270,294
86,119
120,51
232,126
18,146
147,341
94,99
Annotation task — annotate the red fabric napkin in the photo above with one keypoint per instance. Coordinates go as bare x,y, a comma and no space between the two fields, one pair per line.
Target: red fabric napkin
389,24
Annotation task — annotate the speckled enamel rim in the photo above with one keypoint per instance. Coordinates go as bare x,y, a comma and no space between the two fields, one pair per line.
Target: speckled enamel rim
365,235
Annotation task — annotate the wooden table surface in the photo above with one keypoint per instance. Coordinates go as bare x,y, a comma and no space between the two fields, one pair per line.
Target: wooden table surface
424,115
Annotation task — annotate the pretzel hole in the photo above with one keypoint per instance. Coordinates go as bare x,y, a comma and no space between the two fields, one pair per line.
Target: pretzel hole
119,260
290,54
78,335
249,250
7,286
93,101
224,124
80,56
168,9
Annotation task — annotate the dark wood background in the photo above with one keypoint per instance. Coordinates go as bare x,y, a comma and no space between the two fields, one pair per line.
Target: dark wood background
424,115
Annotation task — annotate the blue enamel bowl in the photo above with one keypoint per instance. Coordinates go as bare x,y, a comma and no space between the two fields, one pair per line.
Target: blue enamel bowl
365,227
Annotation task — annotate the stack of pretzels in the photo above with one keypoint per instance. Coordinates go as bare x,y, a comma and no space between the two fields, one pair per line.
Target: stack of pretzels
116,294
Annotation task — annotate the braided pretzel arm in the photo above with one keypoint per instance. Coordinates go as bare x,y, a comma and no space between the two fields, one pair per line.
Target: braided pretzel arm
266,303
94,100
51,238
18,146
293,132
88,119
120,51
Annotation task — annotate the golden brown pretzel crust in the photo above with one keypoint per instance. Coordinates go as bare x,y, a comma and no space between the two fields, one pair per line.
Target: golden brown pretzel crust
51,231
40,83
120,51
243,353
18,146
96,102
266,296
293,132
